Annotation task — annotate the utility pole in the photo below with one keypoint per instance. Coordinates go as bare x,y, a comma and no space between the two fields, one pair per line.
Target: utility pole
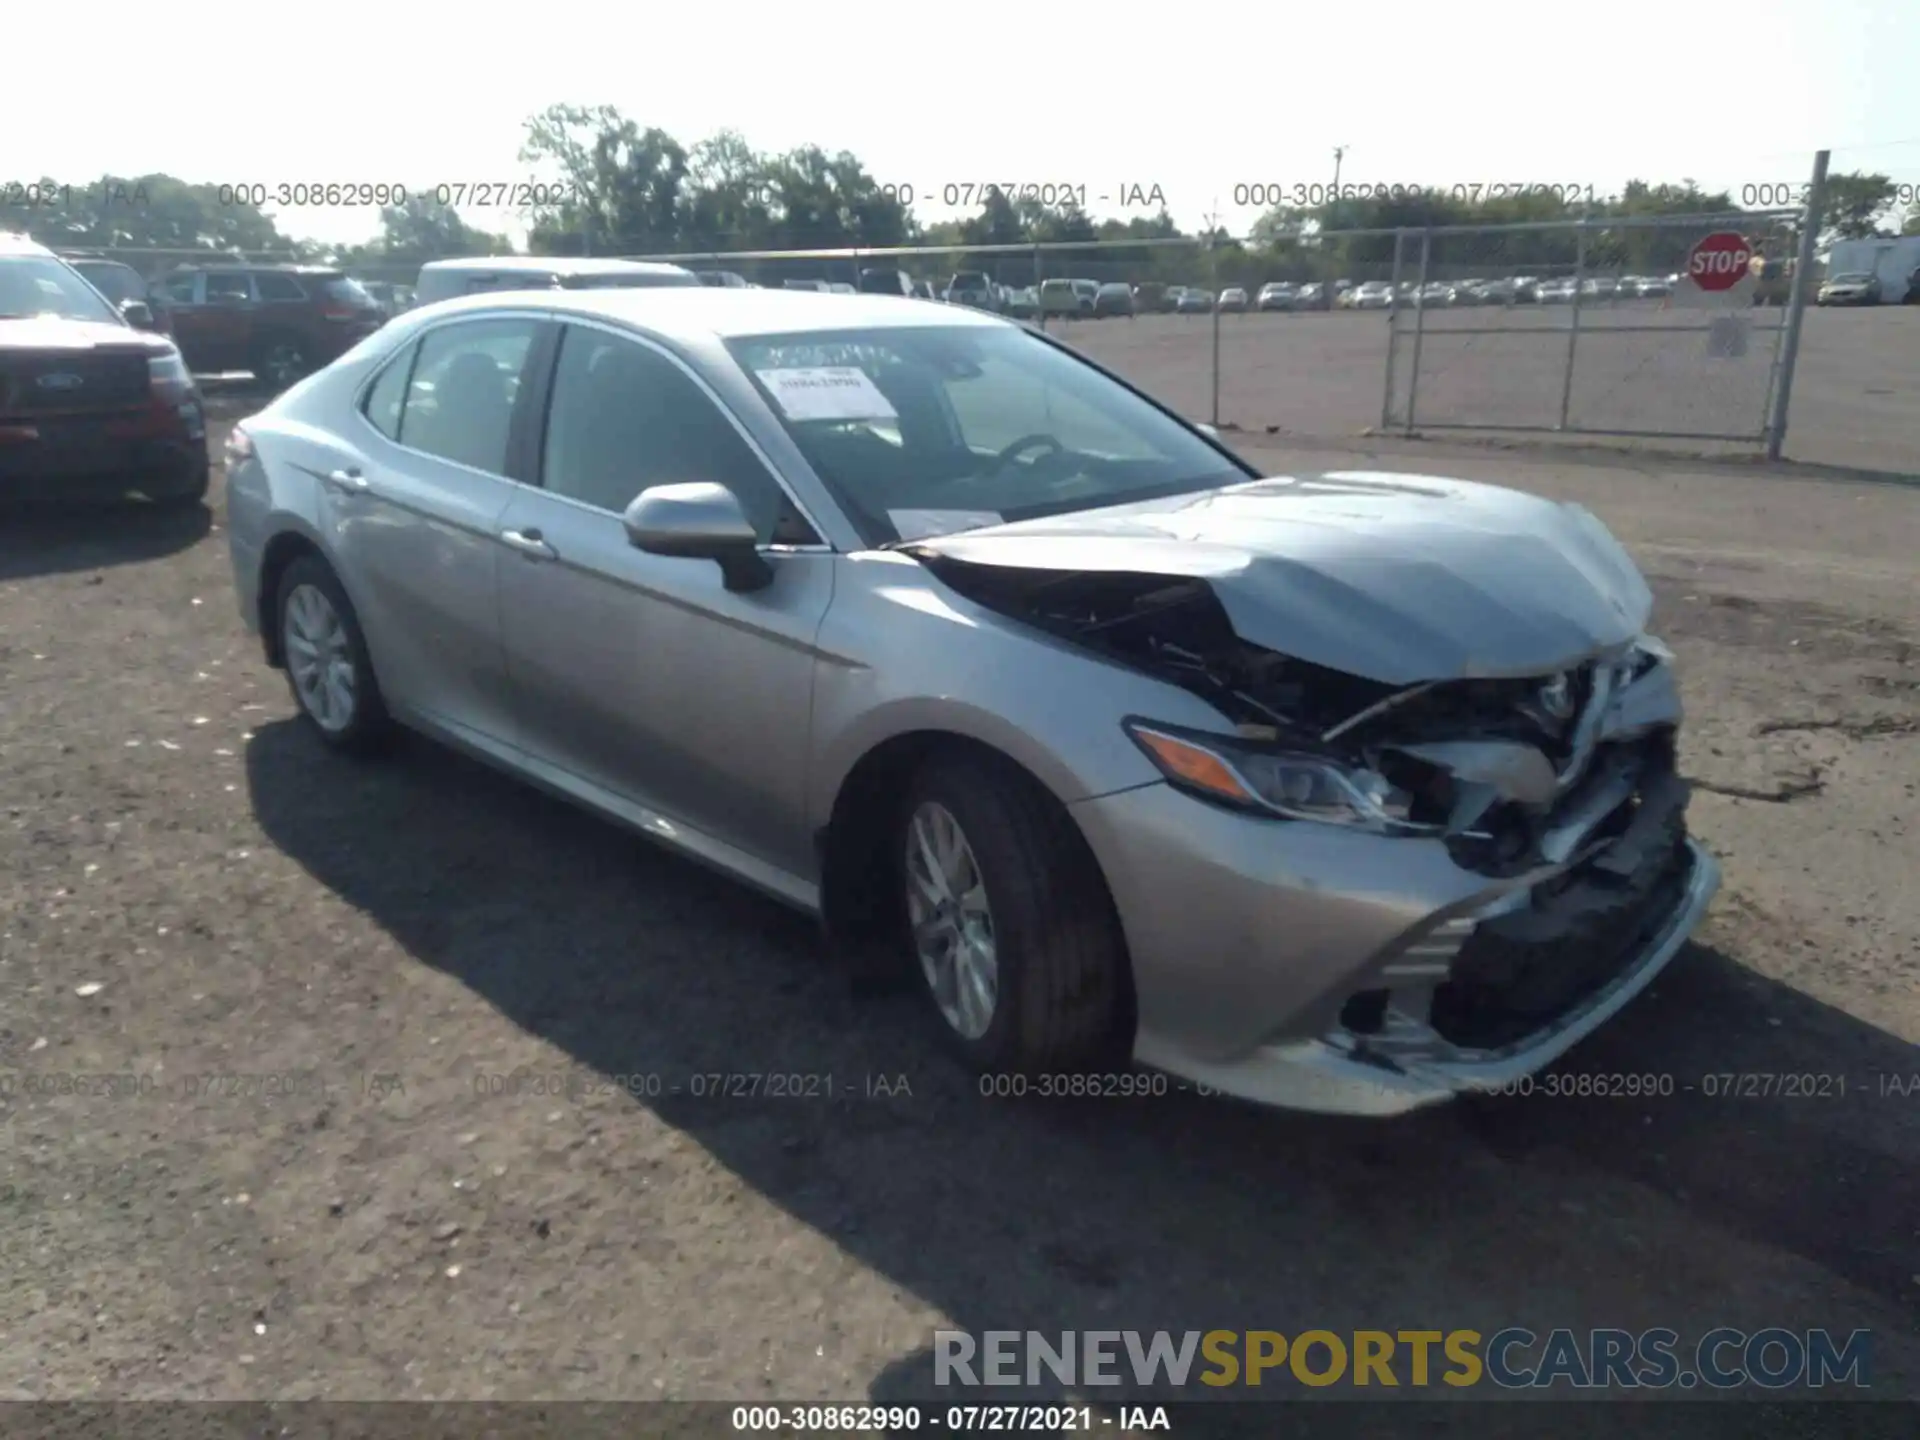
1326,286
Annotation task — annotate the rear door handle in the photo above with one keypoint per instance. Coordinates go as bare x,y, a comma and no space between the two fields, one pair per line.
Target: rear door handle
350,480
529,543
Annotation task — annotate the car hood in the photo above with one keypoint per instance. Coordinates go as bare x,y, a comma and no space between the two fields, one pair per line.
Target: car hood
43,333
1395,578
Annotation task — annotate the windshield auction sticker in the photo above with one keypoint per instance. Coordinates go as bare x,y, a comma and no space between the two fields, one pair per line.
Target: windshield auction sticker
827,392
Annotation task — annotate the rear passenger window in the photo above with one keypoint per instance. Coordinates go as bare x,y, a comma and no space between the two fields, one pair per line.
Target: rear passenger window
389,393
465,380
275,286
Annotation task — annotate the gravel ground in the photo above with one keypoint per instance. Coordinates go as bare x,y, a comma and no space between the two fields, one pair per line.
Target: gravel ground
324,976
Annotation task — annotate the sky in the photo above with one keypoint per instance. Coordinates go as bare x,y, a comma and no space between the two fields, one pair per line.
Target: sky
1465,94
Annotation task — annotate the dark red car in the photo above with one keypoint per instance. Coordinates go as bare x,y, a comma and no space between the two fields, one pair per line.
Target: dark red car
126,287
89,405
278,322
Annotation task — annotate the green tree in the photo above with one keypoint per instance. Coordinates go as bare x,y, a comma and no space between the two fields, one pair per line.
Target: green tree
1855,204
622,185
147,212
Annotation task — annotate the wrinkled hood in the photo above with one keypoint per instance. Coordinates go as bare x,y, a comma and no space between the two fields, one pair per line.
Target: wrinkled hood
1394,578
52,333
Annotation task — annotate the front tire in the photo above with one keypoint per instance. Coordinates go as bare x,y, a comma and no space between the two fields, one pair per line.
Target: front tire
325,655
1009,924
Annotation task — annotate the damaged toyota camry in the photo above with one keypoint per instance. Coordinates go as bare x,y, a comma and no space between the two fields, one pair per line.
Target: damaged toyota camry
1349,792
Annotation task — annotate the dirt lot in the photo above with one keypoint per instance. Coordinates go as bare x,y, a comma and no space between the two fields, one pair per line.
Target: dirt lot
1320,374
194,894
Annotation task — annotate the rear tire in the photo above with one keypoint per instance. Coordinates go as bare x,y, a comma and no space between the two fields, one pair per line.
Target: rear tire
325,654
1059,960
279,361
195,494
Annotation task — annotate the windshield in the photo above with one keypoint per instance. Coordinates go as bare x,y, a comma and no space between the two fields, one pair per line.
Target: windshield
116,282
345,290
935,429
36,285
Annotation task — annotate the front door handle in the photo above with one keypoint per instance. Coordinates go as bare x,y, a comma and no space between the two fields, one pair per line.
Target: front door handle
349,480
529,543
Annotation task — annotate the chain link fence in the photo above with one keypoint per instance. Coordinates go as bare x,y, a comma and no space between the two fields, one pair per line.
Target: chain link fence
1586,328
1570,327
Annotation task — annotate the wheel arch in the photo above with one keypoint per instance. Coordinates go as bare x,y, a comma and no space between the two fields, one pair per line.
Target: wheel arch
855,905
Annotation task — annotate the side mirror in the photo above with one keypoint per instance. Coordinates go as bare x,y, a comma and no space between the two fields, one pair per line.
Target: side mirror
137,313
699,521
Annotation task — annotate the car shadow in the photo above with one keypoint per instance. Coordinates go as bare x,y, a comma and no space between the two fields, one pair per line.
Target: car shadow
1171,1212
94,535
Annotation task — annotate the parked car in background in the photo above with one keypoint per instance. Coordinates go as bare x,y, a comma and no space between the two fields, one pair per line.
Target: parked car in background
1194,301
444,279
1370,295
1113,298
1022,302
125,287
1089,291
814,286
1652,286
392,299
1556,292
278,322
1857,288
923,290
1276,295
989,748
723,279
1311,296
1233,299
91,407
884,280
1064,297
1434,295
972,287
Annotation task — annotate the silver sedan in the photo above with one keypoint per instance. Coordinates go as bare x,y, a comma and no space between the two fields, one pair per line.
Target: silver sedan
1349,792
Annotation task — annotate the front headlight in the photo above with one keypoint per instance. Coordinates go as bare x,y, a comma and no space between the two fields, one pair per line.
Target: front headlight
1287,785
168,377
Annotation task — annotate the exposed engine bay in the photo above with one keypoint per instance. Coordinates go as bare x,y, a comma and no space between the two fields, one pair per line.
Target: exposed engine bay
1571,773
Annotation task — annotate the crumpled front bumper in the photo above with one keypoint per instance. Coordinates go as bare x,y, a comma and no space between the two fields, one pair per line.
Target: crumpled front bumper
1334,1075
1322,968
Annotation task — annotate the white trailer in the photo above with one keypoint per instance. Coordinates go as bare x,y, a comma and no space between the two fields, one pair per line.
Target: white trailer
1892,259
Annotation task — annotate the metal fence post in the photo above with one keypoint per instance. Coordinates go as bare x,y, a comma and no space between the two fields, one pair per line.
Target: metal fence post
1039,306
1573,321
1213,283
1393,334
1797,305
1419,324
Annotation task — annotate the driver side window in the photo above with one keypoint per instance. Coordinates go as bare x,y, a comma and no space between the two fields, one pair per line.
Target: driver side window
624,418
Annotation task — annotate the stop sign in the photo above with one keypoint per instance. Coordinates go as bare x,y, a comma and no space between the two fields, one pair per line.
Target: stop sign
1719,262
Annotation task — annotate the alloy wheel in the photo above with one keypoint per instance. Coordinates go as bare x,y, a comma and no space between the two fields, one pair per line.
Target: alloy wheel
952,920
320,658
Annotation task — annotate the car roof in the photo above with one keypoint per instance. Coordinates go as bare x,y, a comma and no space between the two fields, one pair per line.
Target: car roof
551,265
688,313
12,243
